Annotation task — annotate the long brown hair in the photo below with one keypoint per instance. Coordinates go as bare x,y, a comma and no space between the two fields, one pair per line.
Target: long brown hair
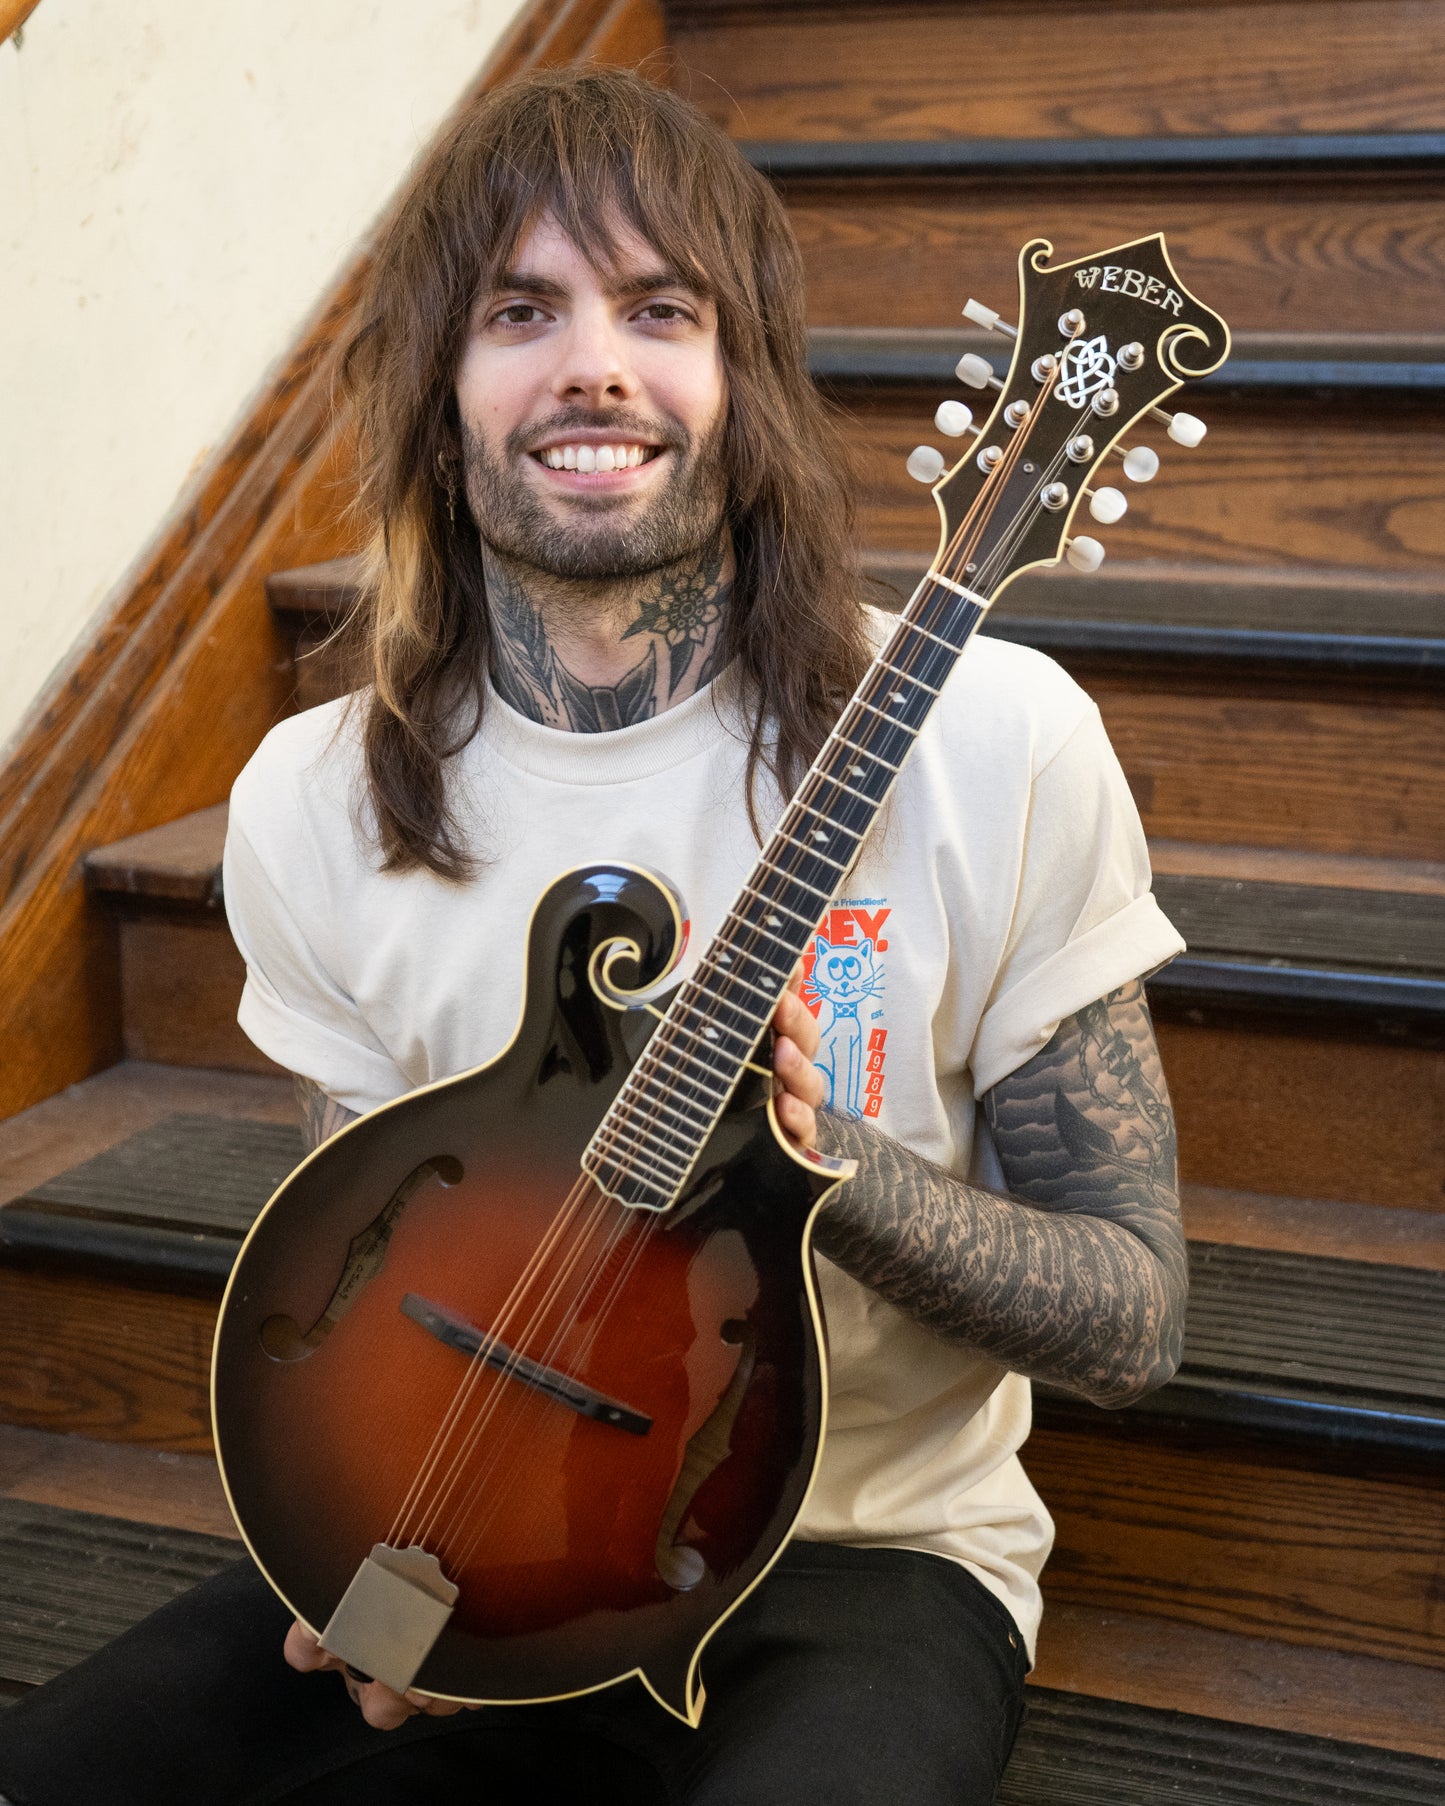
592,148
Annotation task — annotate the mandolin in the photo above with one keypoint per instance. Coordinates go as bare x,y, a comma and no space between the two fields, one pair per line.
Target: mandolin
520,1381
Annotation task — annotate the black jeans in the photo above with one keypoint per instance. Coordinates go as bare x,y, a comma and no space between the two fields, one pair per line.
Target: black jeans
850,1675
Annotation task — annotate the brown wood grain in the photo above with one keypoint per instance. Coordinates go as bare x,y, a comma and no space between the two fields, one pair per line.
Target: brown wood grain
1282,865
1215,1538
1274,765
1368,1232
1105,1653
187,656
1305,1116
1349,485
1071,70
1287,254
116,1479
89,1358
181,985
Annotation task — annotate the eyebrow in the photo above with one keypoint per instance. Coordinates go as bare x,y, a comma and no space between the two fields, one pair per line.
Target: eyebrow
617,288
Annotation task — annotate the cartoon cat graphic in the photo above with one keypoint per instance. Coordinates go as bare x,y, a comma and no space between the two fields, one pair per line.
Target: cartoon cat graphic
844,978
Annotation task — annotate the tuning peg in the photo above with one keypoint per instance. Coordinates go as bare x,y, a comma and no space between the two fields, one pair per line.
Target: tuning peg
1141,464
988,319
953,418
1108,505
925,464
1083,553
976,371
1184,429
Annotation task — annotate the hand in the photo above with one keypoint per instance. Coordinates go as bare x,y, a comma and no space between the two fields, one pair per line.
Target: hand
382,1709
795,1041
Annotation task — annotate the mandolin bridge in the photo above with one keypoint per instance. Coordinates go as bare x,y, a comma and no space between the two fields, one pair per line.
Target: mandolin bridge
465,1337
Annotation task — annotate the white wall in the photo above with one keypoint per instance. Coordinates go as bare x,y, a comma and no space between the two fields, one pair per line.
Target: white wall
179,182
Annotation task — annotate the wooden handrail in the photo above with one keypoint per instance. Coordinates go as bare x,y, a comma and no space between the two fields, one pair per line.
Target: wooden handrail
13,14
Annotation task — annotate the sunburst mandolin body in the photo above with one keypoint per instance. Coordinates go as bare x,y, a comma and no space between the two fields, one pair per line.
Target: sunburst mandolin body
583,1547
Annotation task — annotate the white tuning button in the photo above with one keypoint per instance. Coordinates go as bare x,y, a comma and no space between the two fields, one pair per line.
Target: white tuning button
987,318
925,464
953,418
1108,505
974,370
1083,553
1185,429
1141,465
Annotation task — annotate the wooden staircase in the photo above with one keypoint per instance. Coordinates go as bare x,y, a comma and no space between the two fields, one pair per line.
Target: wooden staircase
1260,1544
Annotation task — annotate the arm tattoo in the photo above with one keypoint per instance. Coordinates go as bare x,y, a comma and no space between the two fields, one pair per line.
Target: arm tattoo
677,622
321,1116
1079,1275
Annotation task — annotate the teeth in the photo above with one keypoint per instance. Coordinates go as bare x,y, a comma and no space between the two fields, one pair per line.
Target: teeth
595,457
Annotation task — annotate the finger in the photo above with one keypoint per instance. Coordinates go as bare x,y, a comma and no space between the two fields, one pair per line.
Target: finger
793,1018
796,1072
382,1709
796,1119
304,1652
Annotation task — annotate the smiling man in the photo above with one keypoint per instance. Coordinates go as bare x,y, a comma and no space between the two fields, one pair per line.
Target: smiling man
613,613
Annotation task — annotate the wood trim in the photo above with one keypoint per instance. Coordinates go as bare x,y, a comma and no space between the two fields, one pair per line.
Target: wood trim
13,14
187,656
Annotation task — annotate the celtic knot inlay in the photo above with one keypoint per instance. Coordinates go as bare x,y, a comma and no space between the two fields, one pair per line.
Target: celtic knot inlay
1087,368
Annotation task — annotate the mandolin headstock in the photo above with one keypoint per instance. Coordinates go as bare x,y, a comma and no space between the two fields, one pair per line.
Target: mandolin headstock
1101,342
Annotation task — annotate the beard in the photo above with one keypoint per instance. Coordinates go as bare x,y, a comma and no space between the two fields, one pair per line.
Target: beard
601,537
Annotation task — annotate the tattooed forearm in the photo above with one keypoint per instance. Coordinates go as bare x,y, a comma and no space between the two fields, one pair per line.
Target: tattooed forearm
675,619
321,1116
1079,1276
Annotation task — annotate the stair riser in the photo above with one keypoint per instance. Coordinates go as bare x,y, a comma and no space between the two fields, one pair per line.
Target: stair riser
93,1358
1226,1540
1289,254
1307,1116
1297,66
1355,486
181,985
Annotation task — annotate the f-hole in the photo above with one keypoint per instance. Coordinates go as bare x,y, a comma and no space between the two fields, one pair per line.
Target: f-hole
681,1566
281,1336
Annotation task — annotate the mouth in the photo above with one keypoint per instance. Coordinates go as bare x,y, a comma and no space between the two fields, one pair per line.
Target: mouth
589,459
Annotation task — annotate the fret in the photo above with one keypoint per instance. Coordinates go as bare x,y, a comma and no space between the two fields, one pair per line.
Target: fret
892,720
707,1036
897,672
701,1106
696,1130
793,878
873,802
845,741
809,922
617,1176
913,627
676,1170
968,595
734,978
931,663
821,880
757,928
813,853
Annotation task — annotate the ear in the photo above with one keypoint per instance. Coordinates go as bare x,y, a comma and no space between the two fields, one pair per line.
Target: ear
820,947
864,949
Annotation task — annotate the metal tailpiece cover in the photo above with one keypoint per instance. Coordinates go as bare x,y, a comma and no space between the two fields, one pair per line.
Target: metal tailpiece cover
391,1615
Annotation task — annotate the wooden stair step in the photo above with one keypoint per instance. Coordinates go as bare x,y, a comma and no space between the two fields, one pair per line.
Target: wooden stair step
70,1581
784,69
1292,1343
1122,1755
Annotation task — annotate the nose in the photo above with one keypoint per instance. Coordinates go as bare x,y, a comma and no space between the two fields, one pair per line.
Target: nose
594,369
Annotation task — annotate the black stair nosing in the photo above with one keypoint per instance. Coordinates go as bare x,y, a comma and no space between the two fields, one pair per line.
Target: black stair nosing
1244,154
1100,1752
846,357
1237,649
1406,1008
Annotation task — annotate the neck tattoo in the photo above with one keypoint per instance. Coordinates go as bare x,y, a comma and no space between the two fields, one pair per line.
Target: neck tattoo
636,656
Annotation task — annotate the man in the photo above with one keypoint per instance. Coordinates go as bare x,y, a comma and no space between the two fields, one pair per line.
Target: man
612,616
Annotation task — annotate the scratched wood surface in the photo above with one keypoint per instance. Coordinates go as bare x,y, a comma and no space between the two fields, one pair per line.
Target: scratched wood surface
1285,253
1307,1116
1234,1542
1069,70
1275,485
181,982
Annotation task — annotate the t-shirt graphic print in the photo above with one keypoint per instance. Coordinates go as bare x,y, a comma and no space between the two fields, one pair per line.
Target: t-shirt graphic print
843,985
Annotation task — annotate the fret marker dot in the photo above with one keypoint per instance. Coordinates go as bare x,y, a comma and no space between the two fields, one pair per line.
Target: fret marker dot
774,921
820,834
897,696
711,1033
855,771
725,959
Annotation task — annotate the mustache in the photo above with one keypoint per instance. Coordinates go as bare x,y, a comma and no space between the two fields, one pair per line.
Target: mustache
670,434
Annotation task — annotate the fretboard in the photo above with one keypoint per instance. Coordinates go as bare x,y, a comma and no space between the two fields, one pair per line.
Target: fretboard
646,1146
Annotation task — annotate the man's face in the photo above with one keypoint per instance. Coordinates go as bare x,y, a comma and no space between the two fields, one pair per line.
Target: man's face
592,409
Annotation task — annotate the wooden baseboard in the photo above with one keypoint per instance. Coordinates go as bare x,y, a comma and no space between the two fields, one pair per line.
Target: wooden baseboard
157,712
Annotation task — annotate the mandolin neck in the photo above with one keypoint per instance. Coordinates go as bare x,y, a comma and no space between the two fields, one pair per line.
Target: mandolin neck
645,1147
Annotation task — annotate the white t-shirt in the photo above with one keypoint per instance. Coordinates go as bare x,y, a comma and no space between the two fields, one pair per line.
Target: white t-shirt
1005,887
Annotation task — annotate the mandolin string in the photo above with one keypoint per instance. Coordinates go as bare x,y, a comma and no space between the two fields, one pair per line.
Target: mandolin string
790,869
